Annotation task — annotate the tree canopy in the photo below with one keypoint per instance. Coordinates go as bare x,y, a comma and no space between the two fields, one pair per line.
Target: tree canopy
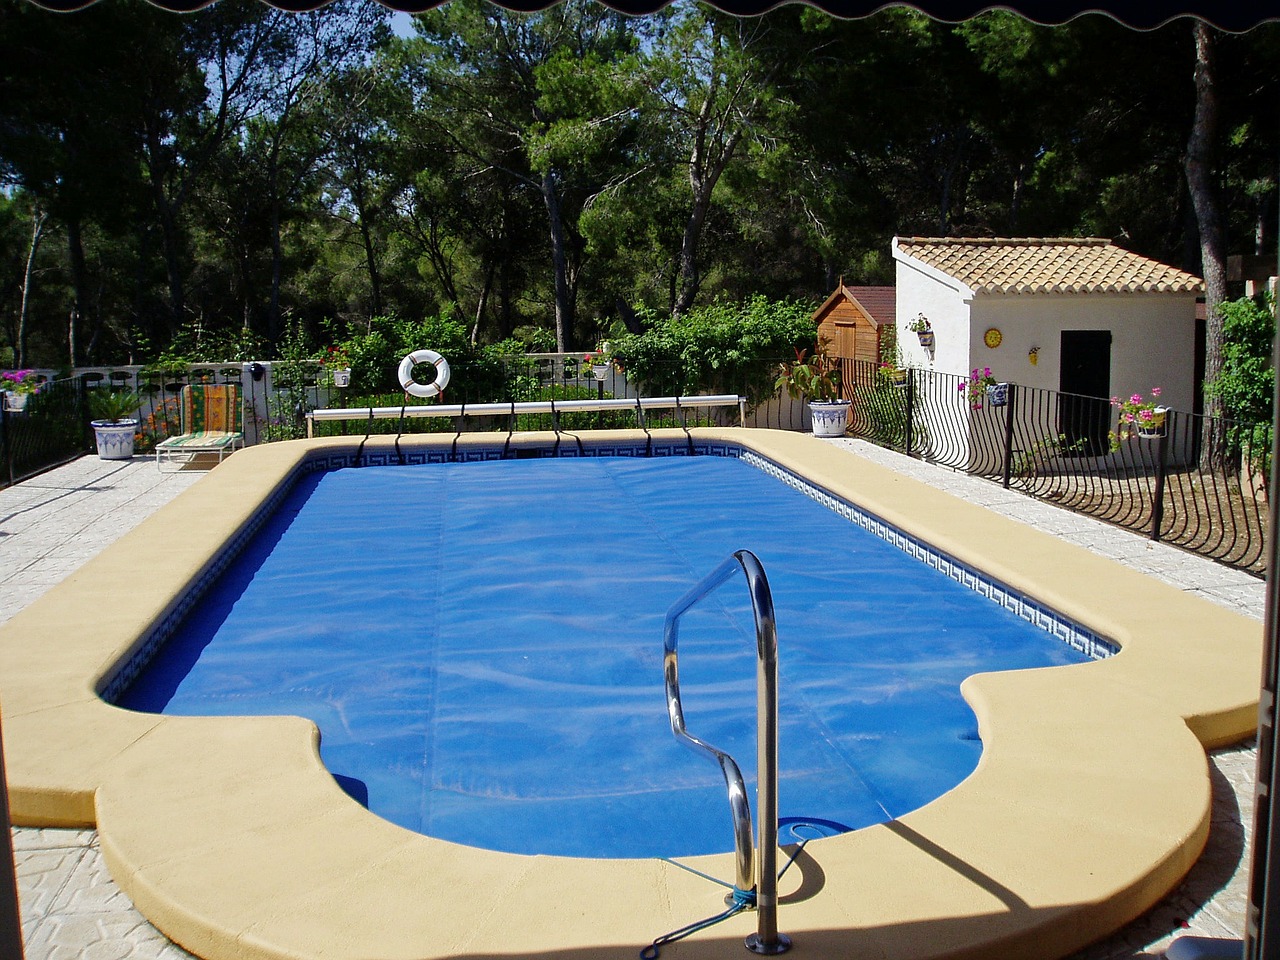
237,171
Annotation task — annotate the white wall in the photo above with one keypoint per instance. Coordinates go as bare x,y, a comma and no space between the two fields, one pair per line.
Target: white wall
941,300
1152,339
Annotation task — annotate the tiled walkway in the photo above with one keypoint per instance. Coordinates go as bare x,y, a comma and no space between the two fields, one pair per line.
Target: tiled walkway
71,909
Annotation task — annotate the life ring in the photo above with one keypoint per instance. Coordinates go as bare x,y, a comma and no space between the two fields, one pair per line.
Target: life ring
412,386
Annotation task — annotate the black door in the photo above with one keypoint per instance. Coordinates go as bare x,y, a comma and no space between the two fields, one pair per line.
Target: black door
1084,412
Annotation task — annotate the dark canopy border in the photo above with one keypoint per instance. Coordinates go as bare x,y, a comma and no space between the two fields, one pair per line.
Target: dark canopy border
1232,15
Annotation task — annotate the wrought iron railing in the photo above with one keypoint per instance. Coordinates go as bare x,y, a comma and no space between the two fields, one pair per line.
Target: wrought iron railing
1200,485
51,428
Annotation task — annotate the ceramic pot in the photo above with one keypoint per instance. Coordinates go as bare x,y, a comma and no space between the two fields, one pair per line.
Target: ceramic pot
115,438
830,418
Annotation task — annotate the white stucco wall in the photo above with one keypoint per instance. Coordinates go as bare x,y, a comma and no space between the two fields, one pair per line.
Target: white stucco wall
1152,339
941,299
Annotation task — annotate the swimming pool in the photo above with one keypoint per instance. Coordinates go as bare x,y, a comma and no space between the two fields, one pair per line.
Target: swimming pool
483,655
1090,801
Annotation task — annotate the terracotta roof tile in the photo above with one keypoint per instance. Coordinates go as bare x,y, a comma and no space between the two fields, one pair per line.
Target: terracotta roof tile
1047,265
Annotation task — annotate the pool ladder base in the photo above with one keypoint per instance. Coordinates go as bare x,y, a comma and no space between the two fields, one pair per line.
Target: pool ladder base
781,944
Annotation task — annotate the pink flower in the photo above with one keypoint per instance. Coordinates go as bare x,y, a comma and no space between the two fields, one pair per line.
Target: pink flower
1136,398
1155,391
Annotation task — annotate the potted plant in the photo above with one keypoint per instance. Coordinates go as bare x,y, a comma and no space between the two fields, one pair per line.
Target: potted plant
1140,416
18,385
599,361
921,327
818,379
977,387
114,422
337,366
894,376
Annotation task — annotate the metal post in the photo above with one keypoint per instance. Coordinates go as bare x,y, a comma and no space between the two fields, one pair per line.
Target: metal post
911,394
10,916
1157,499
766,940
1008,433
4,436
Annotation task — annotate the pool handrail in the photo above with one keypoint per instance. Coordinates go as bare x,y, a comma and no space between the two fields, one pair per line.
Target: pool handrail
766,939
526,406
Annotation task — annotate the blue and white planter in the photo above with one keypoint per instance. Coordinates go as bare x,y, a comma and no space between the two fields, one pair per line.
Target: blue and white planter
830,418
115,438
998,394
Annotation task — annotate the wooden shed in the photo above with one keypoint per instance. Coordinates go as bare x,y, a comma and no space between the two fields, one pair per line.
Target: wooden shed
852,318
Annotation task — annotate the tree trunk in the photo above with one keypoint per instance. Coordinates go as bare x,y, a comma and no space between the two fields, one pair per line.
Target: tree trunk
366,237
560,259
1205,200
38,220
79,282
277,267
483,305
171,244
704,174
1015,206
955,170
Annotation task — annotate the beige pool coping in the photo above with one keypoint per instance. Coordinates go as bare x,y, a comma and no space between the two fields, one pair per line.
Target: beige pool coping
1090,802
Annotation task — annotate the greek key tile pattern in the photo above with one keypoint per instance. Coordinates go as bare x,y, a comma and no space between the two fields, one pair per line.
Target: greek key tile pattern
1069,632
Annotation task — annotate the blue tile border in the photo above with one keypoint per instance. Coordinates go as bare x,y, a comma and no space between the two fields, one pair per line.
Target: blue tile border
1081,638
1068,631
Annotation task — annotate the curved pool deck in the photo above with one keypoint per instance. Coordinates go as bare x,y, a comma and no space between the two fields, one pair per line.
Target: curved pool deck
1091,799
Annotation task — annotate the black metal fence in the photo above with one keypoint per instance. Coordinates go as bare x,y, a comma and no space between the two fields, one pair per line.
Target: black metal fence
1200,483
49,429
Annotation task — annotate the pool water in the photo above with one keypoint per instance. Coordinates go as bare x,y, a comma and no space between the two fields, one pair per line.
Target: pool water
481,647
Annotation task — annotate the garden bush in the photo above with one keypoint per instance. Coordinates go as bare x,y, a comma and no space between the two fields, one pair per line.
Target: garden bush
722,348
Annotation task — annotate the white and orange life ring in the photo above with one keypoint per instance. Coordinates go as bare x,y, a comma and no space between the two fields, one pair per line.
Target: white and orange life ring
412,386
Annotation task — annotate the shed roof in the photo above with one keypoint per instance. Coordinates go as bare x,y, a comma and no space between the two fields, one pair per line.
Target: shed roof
878,304
1046,265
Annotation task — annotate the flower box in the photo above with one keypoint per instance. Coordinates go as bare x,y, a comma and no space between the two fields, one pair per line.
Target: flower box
1153,428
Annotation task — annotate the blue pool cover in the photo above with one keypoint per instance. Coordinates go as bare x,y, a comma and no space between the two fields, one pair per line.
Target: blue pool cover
481,647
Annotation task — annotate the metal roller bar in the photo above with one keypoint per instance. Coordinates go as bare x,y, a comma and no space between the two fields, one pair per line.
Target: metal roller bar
529,406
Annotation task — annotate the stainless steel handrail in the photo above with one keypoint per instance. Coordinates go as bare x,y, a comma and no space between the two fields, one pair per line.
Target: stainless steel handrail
766,939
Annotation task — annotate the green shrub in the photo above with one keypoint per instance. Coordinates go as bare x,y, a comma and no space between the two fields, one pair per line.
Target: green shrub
721,348
1246,383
